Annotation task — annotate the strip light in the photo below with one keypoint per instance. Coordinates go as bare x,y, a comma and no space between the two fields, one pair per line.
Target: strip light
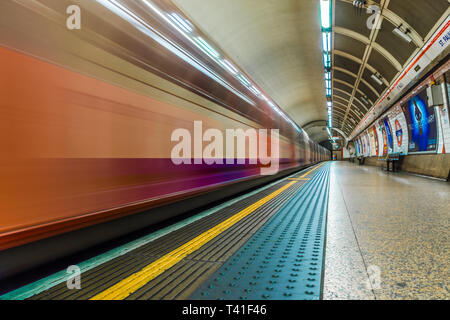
325,22
401,34
326,41
376,79
325,13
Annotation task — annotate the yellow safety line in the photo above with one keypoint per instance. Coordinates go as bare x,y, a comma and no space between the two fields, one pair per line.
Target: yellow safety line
299,179
308,172
132,283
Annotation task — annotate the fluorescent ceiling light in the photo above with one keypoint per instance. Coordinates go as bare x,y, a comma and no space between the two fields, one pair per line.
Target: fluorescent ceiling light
329,103
364,100
327,75
325,13
326,41
327,60
376,79
402,35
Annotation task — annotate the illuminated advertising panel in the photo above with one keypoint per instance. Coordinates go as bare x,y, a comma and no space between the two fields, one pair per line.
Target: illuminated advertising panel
383,138
380,138
399,129
357,146
421,119
443,120
374,141
389,137
363,144
368,151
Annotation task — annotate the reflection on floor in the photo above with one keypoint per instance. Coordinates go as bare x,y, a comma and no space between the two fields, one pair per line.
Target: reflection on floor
387,235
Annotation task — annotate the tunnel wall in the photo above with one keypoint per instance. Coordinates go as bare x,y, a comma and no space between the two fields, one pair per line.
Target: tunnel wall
413,128
434,165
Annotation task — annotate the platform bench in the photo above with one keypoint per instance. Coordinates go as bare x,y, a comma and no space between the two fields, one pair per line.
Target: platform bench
393,158
361,160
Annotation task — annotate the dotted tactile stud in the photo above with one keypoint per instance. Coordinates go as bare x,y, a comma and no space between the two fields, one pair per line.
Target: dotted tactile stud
293,232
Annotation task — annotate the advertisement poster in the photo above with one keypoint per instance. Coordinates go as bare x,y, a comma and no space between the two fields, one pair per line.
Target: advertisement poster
444,125
373,141
380,138
368,149
351,149
390,142
357,146
366,145
399,130
383,138
421,119
363,144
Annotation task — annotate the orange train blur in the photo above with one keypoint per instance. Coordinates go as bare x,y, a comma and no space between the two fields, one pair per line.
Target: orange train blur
86,118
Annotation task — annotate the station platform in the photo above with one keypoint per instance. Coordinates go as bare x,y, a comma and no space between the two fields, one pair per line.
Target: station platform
332,231
389,230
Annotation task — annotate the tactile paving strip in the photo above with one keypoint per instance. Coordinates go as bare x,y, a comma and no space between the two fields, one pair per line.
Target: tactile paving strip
284,259
180,281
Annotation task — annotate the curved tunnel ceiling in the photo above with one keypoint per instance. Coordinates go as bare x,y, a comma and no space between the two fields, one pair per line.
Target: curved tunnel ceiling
360,52
278,43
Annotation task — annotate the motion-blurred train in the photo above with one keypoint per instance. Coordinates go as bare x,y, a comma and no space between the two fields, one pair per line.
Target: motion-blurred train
86,116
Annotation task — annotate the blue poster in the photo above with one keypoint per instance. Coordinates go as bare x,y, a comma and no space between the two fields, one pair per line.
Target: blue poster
421,121
389,135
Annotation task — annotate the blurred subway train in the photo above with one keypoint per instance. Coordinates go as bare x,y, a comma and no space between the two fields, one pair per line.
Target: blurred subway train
86,118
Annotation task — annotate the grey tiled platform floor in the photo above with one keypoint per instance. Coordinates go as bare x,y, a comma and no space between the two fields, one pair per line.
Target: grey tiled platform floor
392,223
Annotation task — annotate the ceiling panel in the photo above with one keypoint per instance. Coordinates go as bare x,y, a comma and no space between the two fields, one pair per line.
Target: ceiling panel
367,91
420,14
399,48
347,17
341,100
346,44
342,86
347,64
341,94
382,65
367,75
344,76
